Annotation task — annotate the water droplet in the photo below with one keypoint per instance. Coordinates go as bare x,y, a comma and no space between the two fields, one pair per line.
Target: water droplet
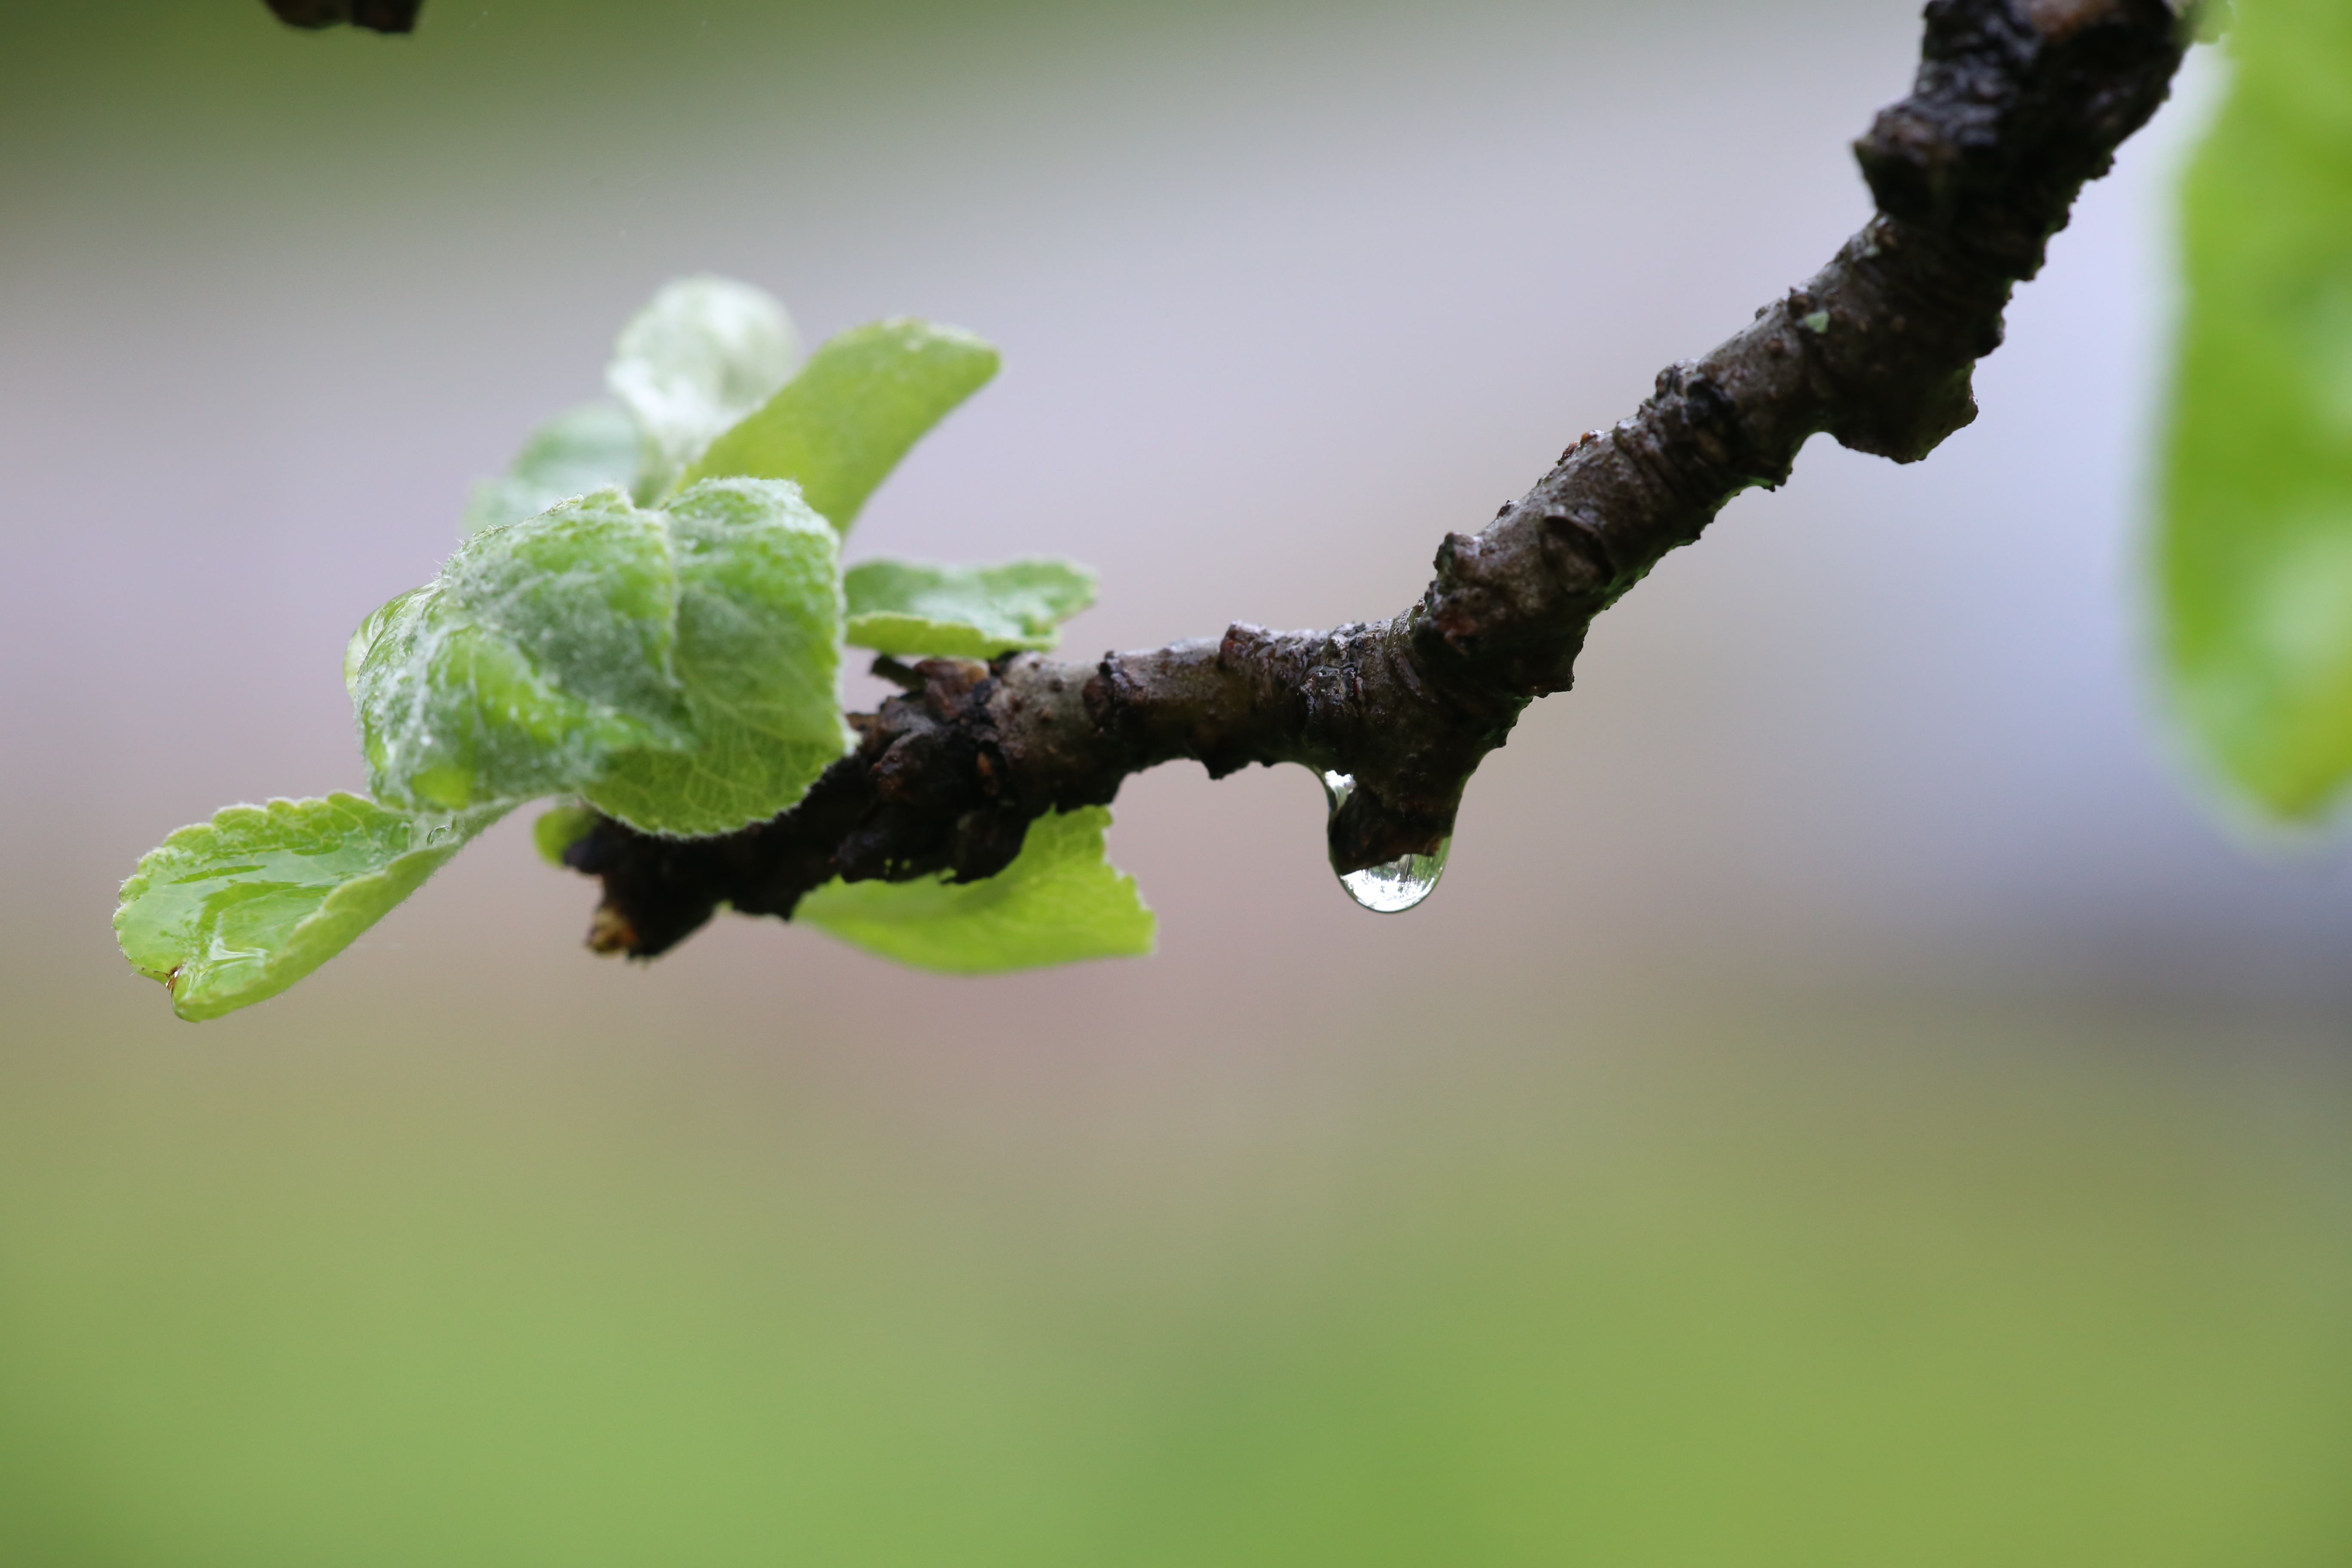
1392,886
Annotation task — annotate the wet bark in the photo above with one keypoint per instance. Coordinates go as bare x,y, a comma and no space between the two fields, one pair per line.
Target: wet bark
2017,104
380,16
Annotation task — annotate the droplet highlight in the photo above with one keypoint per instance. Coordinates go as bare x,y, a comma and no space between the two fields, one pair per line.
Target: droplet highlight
1392,886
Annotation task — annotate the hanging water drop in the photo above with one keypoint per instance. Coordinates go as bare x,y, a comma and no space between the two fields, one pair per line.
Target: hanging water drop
1392,886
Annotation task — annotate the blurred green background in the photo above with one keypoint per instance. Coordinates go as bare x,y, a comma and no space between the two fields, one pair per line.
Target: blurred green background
1848,1104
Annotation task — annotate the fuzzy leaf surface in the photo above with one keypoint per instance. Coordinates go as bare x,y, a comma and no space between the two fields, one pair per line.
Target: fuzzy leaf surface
704,353
1060,900
675,667
2255,554
918,609
233,911
758,657
581,450
840,425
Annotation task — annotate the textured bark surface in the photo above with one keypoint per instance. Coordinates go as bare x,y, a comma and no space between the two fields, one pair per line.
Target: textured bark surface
382,15
2017,103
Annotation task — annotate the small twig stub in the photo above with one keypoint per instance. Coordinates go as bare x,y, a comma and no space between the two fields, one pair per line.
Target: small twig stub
377,16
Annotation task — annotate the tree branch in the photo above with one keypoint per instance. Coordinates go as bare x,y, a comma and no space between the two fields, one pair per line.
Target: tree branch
2017,103
381,16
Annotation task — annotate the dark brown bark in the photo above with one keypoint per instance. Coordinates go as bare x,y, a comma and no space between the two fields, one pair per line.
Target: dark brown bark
2018,102
381,16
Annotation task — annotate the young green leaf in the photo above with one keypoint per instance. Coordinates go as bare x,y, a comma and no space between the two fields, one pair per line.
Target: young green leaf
675,667
704,353
541,650
2255,556
582,449
230,911
1060,900
559,827
916,608
840,425
758,658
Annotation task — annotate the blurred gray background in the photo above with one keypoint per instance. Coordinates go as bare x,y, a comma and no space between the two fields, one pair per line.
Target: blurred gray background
1851,967
1284,294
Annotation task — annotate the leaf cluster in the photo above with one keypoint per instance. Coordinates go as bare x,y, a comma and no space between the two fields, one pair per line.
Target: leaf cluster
649,620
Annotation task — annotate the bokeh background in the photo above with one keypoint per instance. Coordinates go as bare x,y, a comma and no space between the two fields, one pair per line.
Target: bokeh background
1855,1099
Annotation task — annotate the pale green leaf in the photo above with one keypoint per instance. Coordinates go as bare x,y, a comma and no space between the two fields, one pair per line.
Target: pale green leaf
230,911
542,648
559,827
758,657
675,667
1060,900
2255,557
840,425
584,449
704,353
917,609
